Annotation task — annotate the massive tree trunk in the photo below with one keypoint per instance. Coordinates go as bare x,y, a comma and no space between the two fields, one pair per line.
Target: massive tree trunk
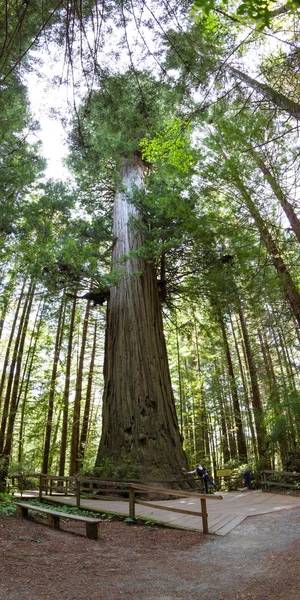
139,417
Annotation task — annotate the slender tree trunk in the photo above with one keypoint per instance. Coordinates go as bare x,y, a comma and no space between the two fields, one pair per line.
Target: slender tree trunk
285,378
225,395
291,293
11,375
179,381
201,405
64,433
241,442
8,349
256,398
6,297
245,388
57,349
54,445
15,388
139,417
286,348
212,447
279,99
74,454
27,377
224,438
88,397
9,411
278,192
274,392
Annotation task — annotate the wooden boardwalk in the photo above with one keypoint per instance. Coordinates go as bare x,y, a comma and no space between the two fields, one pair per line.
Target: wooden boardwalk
223,516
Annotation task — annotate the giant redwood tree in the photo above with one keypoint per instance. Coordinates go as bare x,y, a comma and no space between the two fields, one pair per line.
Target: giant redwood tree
139,418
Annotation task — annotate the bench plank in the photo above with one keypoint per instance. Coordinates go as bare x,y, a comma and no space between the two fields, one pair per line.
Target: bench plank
92,525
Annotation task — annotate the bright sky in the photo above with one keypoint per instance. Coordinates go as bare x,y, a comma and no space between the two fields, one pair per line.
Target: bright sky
49,102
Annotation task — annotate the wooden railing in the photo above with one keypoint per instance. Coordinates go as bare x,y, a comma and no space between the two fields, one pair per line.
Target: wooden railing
133,488
78,486
279,481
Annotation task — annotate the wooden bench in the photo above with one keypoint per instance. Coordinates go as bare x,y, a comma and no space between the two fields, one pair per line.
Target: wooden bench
92,525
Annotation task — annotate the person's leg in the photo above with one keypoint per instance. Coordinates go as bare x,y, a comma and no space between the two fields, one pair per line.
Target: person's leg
205,483
210,481
248,481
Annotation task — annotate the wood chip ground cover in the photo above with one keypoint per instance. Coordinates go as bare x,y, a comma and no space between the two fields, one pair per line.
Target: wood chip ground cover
259,560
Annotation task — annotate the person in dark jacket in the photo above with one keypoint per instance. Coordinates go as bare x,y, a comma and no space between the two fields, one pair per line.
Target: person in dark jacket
203,475
247,479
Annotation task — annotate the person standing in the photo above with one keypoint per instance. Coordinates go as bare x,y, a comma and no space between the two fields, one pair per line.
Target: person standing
247,479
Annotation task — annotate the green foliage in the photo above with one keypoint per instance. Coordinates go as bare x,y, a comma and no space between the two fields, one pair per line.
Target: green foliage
63,509
17,468
236,478
279,429
112,122
128,469
292,462
21,162
104,469
7,505
171,144
246,12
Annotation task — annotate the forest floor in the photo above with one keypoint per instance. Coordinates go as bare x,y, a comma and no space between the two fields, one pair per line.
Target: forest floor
259,560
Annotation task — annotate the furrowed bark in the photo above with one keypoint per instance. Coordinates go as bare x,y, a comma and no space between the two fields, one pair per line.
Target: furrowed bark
139,417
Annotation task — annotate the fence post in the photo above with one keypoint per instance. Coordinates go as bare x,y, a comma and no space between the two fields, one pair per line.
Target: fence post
131,503
77,484
264,481
204,515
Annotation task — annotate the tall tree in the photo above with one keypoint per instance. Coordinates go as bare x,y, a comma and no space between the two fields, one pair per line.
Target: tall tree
139,417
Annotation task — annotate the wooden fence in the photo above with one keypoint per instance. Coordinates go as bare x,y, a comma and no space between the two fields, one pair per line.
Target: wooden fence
133,488
279,479
89,487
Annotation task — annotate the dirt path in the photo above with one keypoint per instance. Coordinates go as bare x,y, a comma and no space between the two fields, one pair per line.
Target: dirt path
259,560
